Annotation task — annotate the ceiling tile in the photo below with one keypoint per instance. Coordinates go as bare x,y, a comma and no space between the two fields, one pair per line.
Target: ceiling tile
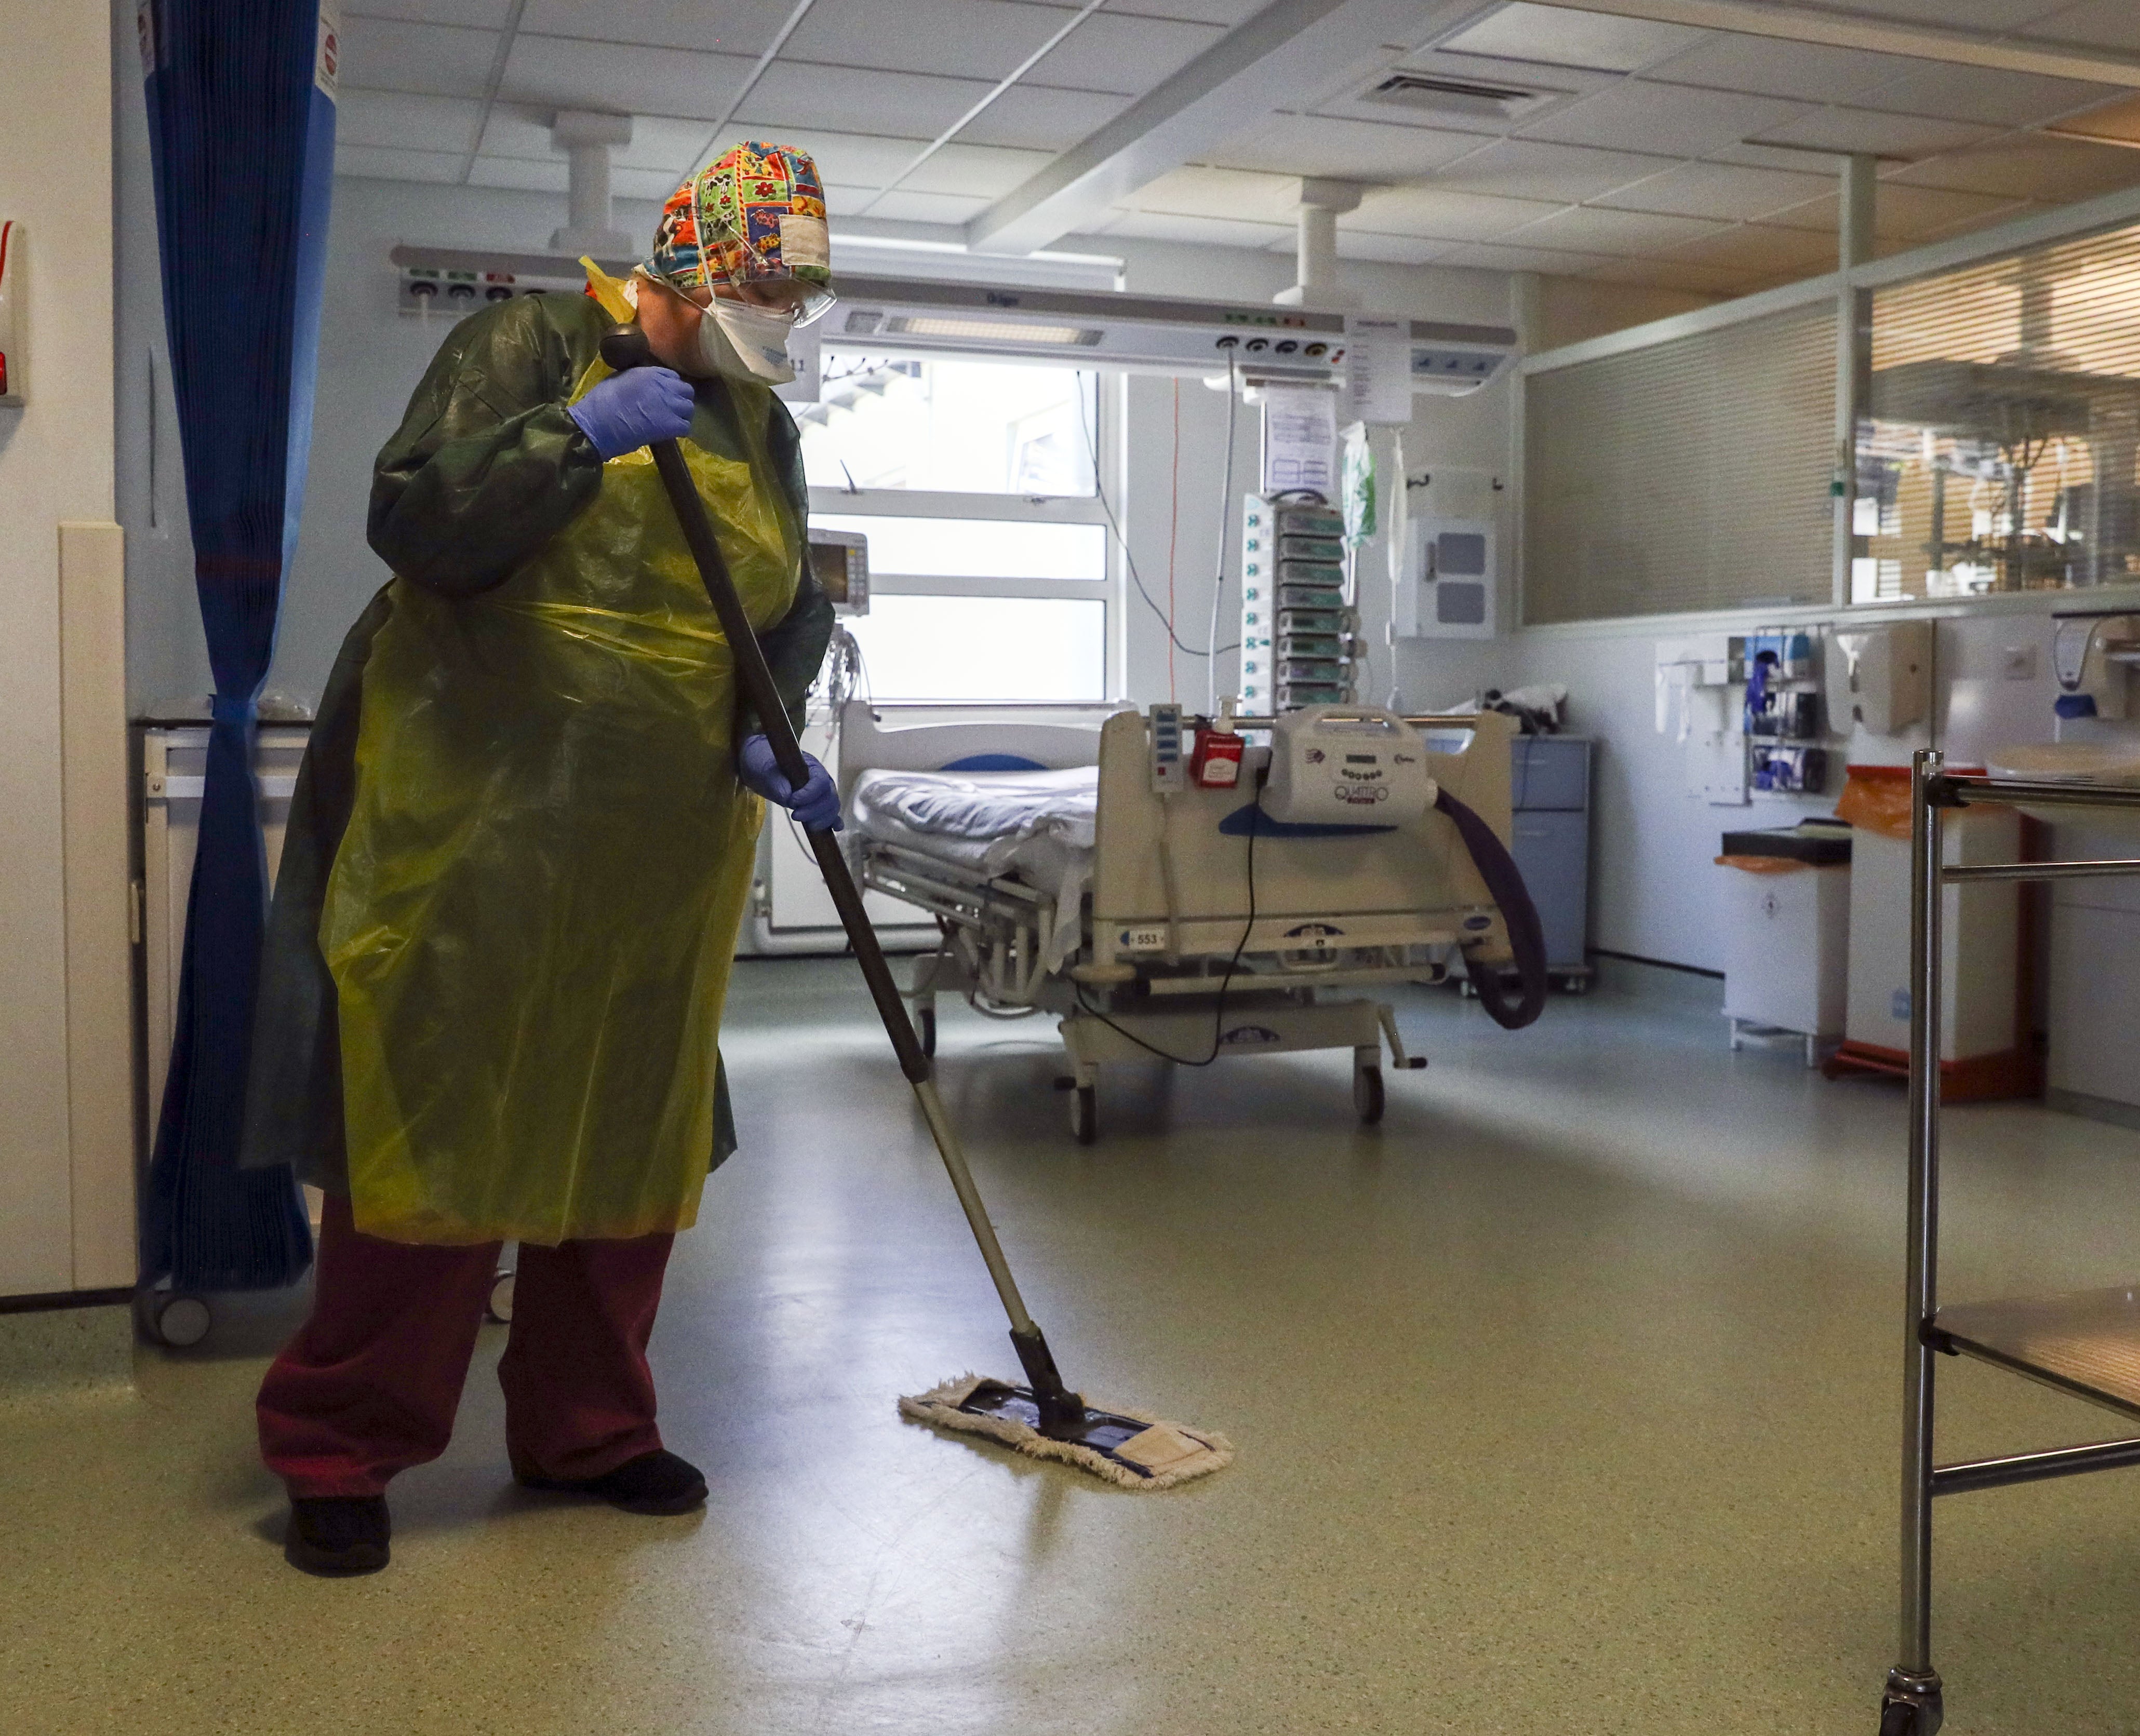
983,171
1560,175
983,39
1845,131
2093,23
1435,211
1037,117
1902,211
396,120
1809,71
380,162
523,173
1197,191
1391,249
474,14
1125,55
1359,150
523,129
1758,249
437,60
1668,119
655,184
1212,231
1590,229
1560,36
1980,94
1201,12
1498,257
1723,190
527,174
1674,274
901,205
2028,165
735,27
620,78
2118,121
850,99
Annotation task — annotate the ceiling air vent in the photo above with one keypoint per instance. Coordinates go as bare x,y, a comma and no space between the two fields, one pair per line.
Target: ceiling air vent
1448,95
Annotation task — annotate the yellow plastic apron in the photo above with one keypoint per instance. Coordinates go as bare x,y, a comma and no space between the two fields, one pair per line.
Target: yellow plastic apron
531,919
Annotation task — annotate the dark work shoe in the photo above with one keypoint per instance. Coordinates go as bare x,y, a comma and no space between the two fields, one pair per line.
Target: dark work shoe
653,1483
338,1536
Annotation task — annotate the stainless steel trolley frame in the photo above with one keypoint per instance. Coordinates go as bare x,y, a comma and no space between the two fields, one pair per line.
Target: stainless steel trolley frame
2087,1344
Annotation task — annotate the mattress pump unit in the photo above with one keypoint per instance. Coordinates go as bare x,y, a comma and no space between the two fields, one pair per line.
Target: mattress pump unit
1299,630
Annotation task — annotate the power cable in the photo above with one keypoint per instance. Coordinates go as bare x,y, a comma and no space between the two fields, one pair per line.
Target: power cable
1173,532
1129,558
1225,982
1225,529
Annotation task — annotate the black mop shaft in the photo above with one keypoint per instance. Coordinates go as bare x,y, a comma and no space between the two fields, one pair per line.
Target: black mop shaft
626,347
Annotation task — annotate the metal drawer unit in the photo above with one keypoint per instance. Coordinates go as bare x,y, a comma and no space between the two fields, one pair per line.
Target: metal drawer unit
1550,791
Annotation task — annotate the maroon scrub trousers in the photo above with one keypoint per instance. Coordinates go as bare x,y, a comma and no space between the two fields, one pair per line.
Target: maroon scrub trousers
368,1386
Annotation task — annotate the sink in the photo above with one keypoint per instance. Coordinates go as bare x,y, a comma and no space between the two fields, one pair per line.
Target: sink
2077,762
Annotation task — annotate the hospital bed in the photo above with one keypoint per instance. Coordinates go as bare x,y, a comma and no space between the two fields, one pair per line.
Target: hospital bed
1181,922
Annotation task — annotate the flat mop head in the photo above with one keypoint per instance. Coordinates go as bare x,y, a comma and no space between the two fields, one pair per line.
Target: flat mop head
1131,1451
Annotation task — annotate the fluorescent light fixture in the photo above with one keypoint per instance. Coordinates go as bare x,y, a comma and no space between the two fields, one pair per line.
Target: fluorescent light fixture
990,330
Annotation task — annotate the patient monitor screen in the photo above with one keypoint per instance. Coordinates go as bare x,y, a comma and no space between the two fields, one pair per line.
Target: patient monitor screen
842,569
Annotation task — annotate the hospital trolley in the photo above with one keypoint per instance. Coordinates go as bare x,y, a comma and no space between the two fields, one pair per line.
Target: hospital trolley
2087,1344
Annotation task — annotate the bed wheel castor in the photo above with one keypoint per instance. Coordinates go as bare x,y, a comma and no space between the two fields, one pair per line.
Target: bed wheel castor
1368,1094
180,1321
924,1027
1910,1718
499,1305
1085,1114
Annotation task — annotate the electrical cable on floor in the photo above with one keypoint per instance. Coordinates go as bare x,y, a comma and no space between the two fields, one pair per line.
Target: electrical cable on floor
1225,982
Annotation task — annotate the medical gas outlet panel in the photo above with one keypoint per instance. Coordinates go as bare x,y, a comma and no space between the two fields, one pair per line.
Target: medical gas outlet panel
1299,632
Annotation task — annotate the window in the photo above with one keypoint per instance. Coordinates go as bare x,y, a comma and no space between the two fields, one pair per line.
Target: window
1692,474
2002,448
976,484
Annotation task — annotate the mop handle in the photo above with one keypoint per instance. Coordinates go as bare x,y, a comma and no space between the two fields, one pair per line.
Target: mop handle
625,347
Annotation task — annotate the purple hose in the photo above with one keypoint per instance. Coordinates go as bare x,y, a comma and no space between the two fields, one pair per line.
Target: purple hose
1505,883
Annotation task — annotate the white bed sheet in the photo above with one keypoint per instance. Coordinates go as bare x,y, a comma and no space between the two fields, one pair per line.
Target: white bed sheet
1037,825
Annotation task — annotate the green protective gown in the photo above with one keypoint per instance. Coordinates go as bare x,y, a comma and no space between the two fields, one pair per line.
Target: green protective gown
517,856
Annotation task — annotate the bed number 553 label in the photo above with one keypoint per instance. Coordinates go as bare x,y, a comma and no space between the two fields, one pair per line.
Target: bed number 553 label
1143,940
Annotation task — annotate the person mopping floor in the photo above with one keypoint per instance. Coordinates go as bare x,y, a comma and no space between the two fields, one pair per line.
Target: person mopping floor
517,859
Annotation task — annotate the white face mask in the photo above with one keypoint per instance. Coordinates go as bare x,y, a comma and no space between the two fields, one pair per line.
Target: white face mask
747,343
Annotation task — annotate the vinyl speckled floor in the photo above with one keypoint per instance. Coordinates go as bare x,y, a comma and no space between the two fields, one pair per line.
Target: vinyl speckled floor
1566,1402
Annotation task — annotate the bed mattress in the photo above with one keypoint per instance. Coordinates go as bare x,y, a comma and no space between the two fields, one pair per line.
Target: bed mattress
1038,826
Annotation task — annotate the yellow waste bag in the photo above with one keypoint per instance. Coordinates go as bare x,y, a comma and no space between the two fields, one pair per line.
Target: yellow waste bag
532,917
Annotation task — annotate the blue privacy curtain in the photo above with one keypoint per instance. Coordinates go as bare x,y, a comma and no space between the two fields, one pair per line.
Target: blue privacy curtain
241,132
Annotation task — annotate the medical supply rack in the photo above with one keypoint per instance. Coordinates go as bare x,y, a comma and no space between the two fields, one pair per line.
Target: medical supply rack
2086,1343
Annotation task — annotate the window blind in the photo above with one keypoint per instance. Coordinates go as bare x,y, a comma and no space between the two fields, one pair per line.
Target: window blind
2005,421
1693,474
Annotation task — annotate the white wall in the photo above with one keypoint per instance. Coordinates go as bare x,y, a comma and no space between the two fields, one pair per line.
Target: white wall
55,465
1656,891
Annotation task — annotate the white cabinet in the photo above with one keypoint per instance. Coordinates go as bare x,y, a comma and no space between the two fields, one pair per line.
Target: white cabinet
2094,1067
1786,950
1979,957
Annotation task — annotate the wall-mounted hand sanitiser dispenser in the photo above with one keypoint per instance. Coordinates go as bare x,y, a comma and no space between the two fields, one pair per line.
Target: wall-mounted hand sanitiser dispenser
13,269
1881,677
2092,656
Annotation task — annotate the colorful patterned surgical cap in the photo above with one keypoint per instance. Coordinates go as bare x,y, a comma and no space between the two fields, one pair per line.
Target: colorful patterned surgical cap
757,213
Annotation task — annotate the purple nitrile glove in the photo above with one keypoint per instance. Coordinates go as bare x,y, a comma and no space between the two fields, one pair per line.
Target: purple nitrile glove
816,804
633,409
